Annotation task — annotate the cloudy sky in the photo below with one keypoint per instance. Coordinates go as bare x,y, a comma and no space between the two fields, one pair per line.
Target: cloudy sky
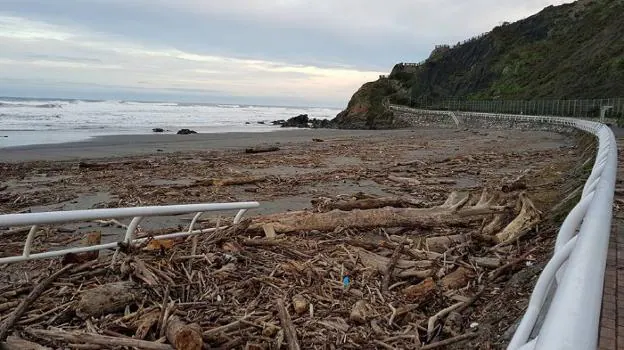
290,52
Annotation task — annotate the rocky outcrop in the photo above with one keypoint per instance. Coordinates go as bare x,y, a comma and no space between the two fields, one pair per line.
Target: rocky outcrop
368,108
186,132
303,121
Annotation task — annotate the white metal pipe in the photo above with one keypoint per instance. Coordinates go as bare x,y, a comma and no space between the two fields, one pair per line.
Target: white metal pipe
239,216
61,252
92,214
521,336
574,315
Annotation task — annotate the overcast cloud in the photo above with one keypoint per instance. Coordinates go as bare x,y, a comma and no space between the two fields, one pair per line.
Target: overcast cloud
291,52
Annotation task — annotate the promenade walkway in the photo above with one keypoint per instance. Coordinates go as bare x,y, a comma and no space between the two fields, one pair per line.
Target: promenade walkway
612,317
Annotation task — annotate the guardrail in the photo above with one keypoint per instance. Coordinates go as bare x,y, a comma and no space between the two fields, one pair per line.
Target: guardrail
137,214
576,269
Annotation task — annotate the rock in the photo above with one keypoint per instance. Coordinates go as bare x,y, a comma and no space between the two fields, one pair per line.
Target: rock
186,132
278,122
300,121
247,123
261,122
158,130
360,312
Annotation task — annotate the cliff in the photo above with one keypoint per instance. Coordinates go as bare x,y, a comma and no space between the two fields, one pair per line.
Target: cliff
569,51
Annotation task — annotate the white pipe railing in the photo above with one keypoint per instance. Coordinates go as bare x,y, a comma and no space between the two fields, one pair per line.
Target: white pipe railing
576,269
136,213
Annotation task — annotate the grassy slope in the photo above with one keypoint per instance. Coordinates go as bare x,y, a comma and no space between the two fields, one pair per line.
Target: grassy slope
568,51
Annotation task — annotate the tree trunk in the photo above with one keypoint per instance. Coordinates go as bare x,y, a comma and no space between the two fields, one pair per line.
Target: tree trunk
528,217
372,218
107,298
367,203
183,336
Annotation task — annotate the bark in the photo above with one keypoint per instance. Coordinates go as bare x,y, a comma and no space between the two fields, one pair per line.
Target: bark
420,292
107,298
91,239
183,336
145,323
456,279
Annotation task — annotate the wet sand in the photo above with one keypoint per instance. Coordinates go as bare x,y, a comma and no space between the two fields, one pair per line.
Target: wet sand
136,145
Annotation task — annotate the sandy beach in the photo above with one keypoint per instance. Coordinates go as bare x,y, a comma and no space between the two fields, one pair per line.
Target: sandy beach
311,171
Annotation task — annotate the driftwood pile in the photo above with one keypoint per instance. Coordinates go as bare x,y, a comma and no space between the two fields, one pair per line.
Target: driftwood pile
361,272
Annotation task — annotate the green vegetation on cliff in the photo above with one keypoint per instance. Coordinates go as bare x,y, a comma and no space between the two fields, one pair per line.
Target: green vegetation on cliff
569,51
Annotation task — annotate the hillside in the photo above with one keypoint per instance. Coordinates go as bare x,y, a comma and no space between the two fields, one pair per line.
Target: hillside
569,51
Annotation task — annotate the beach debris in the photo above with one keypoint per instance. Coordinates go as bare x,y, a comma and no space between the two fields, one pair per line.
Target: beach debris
370,263
262,149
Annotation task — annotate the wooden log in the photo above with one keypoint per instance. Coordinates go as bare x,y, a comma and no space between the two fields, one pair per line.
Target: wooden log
440,244
183,336
420,292
93,338
107,298
488,262
16,343
373,218
260,149
368,203
231,181
381,263
456,279
414,182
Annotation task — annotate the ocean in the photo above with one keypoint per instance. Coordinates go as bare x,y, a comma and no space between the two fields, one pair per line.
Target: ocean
42,121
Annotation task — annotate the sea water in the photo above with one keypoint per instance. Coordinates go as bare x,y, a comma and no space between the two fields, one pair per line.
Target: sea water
41,121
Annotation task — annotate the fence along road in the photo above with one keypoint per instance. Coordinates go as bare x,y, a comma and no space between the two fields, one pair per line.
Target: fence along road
576,269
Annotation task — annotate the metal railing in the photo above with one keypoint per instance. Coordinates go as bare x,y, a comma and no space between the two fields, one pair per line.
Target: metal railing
576,269
578,108
137,214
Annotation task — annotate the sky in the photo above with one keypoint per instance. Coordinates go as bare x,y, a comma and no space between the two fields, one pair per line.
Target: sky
280,52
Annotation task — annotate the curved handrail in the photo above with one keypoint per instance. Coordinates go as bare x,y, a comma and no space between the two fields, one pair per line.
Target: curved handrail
572,318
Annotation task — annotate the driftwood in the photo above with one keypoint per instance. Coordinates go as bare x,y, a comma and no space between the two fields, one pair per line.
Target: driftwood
232,181
327,204
261,149
6,326
448,214
93,338
287,326
414,182
16,343
107,298
183,336
528,217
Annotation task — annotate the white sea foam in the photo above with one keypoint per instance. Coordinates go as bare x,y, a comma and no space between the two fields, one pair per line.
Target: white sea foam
77,119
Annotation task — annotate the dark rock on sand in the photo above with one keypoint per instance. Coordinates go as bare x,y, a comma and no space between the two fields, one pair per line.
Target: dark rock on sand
300,121
158,130
186,132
